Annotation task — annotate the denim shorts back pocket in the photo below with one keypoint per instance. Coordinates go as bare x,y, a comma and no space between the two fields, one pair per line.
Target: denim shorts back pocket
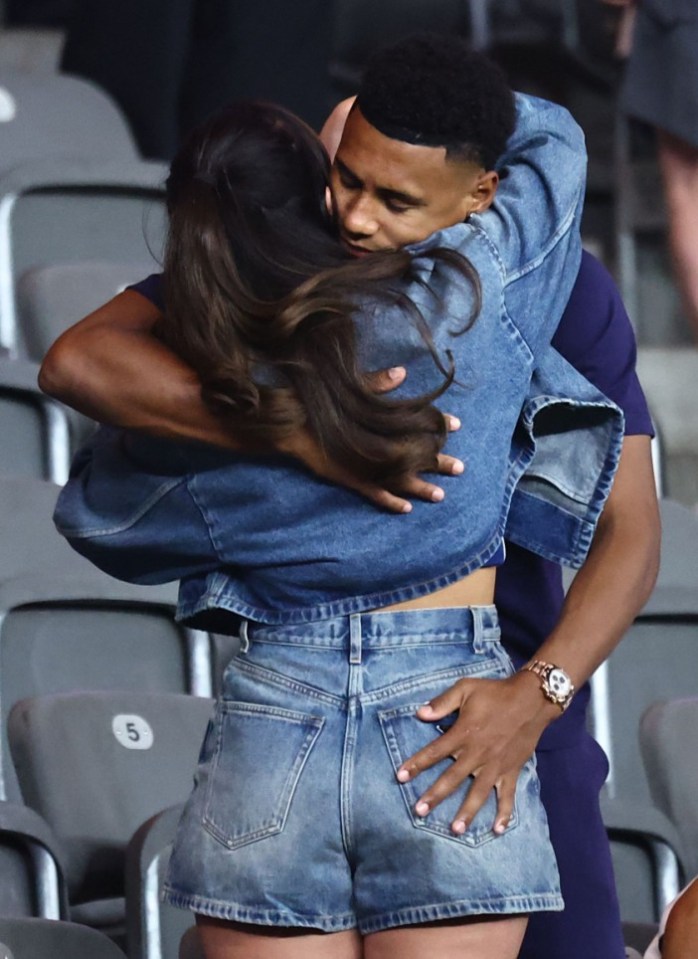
405,735
256,765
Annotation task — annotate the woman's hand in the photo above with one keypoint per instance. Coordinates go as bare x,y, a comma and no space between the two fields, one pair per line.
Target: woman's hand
498,727
304,447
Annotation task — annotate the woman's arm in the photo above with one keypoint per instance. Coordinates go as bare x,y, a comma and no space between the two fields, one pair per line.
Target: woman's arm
112,368
534,219
129,509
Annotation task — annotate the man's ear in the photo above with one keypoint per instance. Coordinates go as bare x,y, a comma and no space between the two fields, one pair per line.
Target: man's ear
484,192
331,133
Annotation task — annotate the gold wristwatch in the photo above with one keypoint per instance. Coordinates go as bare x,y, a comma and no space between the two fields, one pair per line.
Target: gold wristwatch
555,683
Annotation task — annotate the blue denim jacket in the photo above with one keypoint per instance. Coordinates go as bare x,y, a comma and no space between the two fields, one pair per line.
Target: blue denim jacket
261,537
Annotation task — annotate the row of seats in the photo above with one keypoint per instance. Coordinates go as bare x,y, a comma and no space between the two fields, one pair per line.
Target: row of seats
81,217
104,700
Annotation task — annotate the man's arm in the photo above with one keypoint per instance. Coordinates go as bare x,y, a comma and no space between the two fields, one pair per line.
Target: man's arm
112,368
501,721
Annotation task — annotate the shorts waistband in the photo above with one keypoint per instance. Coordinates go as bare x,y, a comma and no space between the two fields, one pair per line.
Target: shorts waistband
474,625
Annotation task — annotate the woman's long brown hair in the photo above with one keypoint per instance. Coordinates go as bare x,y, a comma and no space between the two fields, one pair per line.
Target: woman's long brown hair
260,298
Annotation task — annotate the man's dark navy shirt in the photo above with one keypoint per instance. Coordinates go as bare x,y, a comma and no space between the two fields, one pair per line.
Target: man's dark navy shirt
596,337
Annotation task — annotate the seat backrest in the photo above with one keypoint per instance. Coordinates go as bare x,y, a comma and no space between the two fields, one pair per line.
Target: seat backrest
64,625
66,633
46,115
35,431
31,873
97,765
34,938
669,745
668,376
52,298
647,862
63,211
656,660
154,928
30,49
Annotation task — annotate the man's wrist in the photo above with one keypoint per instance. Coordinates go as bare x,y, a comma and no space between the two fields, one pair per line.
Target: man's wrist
554,682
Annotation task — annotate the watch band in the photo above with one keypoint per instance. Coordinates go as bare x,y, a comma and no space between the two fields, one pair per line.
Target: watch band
555,684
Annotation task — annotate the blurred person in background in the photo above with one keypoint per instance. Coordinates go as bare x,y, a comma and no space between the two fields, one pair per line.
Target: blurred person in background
171,63
660,38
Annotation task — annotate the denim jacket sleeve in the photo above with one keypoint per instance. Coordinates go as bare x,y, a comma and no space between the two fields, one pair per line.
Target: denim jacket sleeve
533,223
575,437
114,485
532,228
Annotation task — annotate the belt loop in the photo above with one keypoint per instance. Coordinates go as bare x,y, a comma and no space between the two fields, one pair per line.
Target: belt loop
355,638
244,638
478,629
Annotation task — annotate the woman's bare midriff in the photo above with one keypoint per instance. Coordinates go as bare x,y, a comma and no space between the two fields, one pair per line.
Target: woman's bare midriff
474,590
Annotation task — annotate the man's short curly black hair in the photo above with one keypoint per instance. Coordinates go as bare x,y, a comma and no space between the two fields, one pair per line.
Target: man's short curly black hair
433,90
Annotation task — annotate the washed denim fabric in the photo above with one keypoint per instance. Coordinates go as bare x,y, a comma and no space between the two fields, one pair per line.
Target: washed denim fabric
320,833
262,538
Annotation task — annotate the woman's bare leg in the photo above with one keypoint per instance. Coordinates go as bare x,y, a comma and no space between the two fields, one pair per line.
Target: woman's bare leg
679,165
455,939
229,940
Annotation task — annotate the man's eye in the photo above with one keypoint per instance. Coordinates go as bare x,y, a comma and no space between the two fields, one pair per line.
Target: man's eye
396,207
349,183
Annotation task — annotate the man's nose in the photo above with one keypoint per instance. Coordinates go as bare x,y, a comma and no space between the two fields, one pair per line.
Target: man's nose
358,217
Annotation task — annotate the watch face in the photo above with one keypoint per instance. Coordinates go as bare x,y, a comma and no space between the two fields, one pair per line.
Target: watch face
559,682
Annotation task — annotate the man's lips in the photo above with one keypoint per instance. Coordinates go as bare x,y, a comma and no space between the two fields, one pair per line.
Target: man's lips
354,249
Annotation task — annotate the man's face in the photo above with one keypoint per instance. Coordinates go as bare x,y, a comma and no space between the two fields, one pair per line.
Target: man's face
388,193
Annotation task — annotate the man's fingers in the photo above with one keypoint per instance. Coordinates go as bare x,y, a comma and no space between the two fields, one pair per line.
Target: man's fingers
477,796
449,465
452,423
447,783
420,489
382,498
506,794
385,380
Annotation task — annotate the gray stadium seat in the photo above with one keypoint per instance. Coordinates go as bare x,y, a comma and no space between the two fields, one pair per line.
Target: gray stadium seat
647,863
668,375
35,431
65,625
657,659
63,211
669,744
637,936
32,883
30,49
47,939
639,206
153,928
61,633
52,298
28,539
95,766
46,115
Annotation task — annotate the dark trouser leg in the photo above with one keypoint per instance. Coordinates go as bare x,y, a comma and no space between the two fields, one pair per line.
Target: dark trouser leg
590,925
136,50
270,49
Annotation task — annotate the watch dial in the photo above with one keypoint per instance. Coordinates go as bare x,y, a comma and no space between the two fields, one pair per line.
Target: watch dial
559,682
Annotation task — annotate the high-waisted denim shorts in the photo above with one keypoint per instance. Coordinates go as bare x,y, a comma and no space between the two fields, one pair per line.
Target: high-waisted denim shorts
297,817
